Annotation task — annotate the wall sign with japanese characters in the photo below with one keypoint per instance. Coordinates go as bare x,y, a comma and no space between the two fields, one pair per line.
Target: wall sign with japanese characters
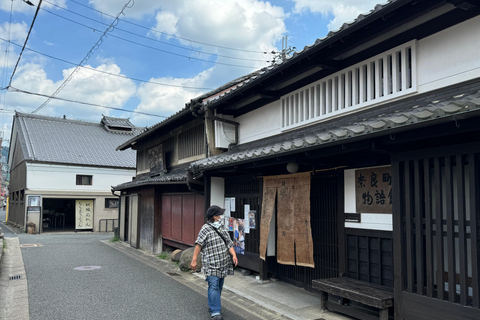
373,190
156,160
83,214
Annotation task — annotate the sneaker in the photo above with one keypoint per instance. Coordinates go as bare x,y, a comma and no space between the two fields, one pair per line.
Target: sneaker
217,317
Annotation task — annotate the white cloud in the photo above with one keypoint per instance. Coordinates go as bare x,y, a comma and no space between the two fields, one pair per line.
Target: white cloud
167,100
86,86
245,24
166,22
135,9
342,11
16,33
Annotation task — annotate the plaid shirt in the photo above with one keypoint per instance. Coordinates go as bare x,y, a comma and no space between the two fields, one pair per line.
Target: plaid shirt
216,260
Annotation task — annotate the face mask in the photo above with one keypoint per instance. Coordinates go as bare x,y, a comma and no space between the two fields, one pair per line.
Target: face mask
217,224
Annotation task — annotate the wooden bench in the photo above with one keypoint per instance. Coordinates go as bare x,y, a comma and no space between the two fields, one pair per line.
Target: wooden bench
354,290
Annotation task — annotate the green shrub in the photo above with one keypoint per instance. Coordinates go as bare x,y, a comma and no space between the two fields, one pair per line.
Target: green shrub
164,256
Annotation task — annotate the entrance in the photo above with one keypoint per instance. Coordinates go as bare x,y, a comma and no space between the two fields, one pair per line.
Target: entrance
324,195
58,215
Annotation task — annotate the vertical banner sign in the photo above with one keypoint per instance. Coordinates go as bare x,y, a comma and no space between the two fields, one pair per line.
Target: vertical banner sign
83,214
373,190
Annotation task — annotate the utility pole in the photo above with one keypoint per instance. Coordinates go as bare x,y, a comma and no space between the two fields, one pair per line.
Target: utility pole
286,51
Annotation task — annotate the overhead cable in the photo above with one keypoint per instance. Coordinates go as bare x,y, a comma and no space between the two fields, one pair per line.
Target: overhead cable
170,35
165,51
13,89
142,36
95,46
26,40
105,72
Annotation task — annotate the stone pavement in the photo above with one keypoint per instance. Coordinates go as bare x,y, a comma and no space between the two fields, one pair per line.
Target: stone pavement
13,282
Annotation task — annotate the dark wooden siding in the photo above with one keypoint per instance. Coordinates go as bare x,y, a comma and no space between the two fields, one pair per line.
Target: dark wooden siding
370,256
182,217
438,223
16,208
146,218
191,142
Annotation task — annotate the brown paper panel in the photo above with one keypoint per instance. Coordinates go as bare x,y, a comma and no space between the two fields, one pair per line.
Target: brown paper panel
304,250
285,248
303,231
268,204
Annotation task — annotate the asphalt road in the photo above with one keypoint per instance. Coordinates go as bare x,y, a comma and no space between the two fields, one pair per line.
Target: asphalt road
77,276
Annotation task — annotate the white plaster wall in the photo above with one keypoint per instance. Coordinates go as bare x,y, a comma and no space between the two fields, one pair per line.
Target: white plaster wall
260,123
47,177
450,56
373,221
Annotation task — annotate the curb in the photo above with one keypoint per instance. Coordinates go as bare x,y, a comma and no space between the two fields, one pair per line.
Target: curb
13,283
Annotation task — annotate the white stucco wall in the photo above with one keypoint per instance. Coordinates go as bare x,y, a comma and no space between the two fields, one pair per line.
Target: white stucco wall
449,57
59,181
260,123
63,178
374,221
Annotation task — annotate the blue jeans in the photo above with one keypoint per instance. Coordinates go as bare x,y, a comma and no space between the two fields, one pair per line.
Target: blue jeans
215,286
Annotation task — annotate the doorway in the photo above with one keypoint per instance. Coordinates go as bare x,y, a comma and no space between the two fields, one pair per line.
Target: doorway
58,215
324,202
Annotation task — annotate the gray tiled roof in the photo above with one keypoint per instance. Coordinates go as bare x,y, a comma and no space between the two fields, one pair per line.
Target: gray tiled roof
398,118
60,140
177,175
151,130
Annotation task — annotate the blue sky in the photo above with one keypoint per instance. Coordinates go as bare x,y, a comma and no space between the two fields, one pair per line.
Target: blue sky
155,58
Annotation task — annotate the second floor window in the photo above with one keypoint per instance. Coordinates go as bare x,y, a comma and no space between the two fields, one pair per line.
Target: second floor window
84,180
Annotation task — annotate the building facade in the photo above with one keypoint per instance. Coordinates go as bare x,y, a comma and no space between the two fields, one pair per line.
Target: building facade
62,170
358,158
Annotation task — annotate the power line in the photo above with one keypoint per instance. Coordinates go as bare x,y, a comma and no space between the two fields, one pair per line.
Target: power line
165,51
141,36
170,35
3,95
13,89
26,40
108,73
95,46
7,47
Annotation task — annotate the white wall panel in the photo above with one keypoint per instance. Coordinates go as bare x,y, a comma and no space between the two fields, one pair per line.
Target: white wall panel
57,177
260,123
217,194
449,57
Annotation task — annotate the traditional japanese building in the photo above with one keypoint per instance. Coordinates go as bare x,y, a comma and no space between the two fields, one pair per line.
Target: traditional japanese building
358,158
62,171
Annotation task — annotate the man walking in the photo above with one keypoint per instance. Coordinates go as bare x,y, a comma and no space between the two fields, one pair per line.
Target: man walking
215,244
